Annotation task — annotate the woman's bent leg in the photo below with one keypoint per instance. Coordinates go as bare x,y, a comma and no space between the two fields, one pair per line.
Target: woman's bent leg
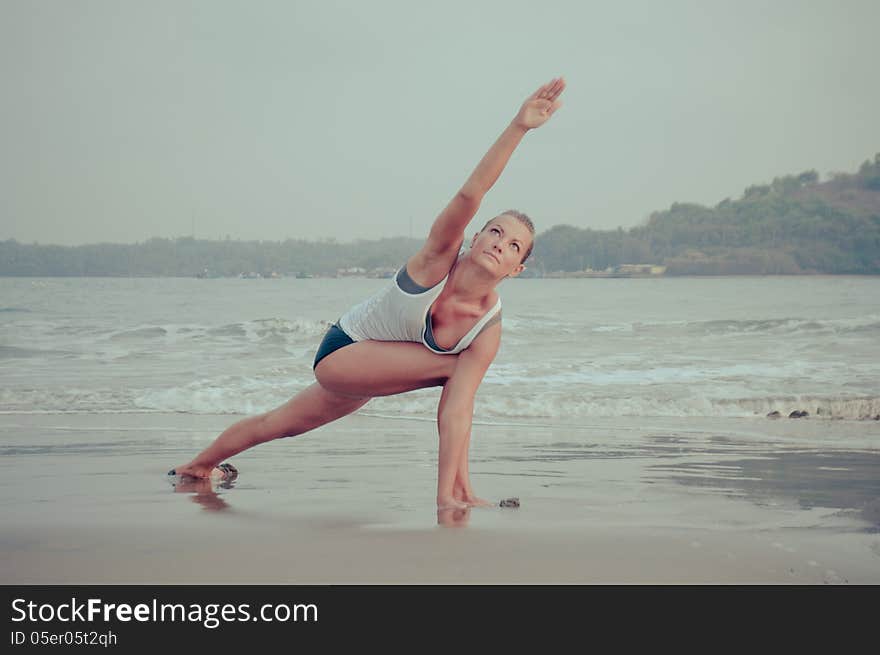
312,407
383,368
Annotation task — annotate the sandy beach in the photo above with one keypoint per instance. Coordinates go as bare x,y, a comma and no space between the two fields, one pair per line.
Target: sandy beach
731,501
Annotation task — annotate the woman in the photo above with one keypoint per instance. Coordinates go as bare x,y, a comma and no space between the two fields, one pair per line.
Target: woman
437,324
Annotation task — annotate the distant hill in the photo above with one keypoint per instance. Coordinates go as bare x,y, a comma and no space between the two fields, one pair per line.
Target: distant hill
189,257
795,224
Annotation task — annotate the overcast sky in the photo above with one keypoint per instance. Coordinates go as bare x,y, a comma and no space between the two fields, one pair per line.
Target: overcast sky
125,120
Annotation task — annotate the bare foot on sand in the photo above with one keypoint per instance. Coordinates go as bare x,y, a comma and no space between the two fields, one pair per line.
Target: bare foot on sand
224,471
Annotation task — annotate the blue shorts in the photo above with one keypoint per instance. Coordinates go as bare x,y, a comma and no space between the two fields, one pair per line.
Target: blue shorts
334,339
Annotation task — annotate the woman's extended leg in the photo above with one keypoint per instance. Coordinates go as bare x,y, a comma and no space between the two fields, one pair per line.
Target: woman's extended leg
347,379
312,407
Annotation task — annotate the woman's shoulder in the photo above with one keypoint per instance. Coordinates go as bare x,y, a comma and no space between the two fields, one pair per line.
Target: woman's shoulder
427,268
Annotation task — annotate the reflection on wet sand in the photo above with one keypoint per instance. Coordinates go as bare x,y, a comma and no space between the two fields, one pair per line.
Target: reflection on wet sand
843,480
202,491
451,517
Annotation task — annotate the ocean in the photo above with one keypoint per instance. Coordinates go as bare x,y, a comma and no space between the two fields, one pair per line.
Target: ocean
572,349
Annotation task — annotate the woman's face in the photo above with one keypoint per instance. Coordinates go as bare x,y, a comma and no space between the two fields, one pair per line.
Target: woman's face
501,246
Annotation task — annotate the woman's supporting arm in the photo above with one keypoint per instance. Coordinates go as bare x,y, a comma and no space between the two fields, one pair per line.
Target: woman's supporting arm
455,413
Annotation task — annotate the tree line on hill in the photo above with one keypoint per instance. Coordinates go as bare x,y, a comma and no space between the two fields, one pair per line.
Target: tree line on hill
796,224
793,225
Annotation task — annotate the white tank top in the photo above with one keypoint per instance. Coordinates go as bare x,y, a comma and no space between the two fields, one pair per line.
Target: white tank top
396,314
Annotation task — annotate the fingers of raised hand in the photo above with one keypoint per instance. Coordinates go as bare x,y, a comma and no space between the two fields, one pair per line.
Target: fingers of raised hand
557,89
551,90
545,90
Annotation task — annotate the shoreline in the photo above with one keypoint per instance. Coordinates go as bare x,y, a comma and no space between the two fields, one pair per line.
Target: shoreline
86,501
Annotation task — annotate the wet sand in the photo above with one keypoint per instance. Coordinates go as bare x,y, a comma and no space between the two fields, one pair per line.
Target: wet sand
85,499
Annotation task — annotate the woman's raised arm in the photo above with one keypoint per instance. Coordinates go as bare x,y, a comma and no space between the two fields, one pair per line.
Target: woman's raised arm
447,232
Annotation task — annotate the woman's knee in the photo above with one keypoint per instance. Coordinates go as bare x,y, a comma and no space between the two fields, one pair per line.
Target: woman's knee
331,377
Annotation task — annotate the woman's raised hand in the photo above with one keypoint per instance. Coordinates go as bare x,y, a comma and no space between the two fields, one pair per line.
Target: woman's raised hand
539,107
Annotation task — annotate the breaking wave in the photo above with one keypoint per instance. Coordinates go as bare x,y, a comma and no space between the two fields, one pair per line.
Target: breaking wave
250,395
